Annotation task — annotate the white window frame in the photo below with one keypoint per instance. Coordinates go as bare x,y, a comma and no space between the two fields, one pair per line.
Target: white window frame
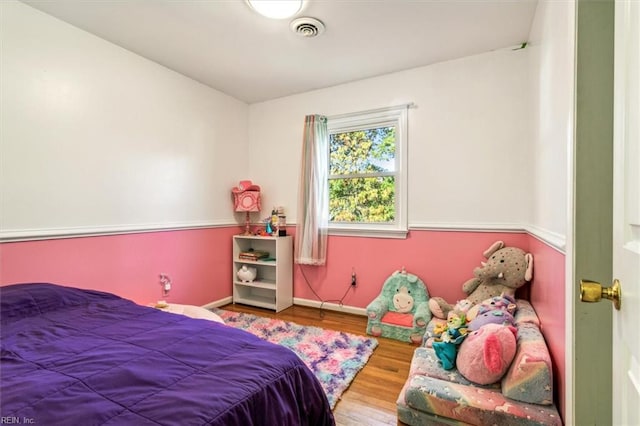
383,117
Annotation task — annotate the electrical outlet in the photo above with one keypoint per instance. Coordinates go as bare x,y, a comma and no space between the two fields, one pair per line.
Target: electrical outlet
353,279
165,282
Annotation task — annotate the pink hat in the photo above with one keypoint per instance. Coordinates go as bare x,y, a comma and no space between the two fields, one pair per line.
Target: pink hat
245,185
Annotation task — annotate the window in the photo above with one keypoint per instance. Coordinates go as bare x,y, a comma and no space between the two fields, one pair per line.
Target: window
368,173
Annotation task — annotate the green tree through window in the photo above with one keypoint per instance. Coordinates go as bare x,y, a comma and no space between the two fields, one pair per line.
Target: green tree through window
367,167
362,181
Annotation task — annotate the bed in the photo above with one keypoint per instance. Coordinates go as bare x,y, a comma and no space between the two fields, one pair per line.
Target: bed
73,356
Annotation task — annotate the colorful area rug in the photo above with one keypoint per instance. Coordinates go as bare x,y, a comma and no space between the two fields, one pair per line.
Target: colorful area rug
334,357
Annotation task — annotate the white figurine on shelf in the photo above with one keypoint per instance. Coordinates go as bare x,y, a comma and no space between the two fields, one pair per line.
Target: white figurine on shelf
247,273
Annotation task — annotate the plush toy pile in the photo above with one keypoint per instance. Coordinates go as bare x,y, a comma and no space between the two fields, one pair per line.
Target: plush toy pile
483,344
488,351
506,270
492,368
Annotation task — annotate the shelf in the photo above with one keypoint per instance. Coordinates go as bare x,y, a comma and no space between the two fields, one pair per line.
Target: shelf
260,302
257,262
255,237
268,284
273,286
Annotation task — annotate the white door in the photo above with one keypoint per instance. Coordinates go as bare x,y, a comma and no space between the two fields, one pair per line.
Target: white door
626,213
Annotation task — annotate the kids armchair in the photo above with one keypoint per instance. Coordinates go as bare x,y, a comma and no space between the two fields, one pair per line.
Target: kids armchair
401,311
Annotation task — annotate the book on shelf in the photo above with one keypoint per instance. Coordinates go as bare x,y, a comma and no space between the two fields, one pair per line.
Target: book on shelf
253,255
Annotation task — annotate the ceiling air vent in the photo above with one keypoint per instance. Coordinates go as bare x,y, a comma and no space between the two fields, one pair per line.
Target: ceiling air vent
307,27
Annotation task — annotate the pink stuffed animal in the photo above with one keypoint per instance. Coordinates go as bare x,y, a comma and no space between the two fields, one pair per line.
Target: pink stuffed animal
486,354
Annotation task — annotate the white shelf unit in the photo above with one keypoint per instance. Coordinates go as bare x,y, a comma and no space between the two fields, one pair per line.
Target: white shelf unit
273,285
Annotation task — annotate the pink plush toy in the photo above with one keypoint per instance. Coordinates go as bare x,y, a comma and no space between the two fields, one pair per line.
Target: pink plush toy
486,354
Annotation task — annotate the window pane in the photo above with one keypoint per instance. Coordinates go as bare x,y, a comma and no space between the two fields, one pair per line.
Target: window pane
363,151
366,200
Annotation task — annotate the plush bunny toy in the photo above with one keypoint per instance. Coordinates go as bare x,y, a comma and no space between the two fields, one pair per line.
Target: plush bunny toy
506,270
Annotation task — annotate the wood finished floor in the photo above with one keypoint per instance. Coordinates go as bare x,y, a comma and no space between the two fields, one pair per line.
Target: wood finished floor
371,397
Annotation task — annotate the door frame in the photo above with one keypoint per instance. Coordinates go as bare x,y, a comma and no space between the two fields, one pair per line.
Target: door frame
589,239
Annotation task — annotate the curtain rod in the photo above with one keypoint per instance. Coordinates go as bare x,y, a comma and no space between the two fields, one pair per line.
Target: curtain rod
375,110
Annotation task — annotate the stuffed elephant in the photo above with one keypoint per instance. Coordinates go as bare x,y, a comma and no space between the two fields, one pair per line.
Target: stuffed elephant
506,270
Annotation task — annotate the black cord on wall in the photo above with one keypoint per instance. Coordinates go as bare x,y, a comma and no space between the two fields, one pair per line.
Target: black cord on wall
322,301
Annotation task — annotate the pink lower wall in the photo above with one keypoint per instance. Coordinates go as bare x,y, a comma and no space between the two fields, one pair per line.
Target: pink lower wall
443,260
197,261
547,295
199,264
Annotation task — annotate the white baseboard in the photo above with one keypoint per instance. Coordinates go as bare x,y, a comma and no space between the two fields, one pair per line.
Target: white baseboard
218,303
330,306
302,302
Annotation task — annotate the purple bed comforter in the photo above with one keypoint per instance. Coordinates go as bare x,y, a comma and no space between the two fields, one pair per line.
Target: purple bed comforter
81,357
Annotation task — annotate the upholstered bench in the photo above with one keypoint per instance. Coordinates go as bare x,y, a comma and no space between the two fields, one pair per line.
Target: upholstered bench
524,396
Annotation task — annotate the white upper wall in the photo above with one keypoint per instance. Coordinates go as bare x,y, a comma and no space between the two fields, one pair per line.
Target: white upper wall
552,49
470,159
94,137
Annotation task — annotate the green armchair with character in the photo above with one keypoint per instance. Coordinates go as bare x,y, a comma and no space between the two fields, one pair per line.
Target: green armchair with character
401,311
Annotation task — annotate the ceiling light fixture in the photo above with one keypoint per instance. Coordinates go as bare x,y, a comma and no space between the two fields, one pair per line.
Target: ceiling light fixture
276,9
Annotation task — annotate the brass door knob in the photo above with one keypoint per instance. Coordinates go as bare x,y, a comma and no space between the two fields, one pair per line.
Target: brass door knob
591,291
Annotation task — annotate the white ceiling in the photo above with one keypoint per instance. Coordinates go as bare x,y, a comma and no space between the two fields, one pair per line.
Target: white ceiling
226,45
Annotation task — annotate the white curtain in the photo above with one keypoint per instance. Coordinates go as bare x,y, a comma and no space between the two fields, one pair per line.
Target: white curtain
313,201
